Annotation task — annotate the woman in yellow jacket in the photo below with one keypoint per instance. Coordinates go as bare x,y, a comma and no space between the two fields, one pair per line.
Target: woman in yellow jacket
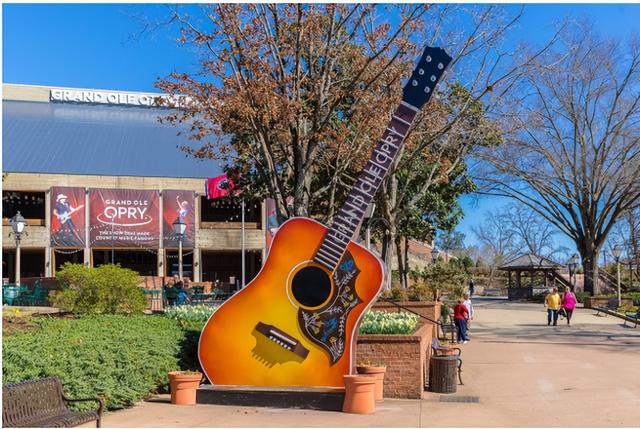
552,301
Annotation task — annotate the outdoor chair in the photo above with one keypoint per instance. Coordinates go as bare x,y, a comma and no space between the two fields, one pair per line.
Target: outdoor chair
39,295
13,294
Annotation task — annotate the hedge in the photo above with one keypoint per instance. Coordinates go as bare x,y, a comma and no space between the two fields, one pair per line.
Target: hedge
122,359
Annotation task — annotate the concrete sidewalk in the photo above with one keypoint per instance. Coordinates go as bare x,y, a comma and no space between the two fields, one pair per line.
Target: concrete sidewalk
520,371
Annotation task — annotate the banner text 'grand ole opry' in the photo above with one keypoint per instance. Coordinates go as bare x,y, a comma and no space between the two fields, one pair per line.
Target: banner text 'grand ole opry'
100,180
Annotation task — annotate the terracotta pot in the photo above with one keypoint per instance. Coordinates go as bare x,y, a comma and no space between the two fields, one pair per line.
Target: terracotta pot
183,387
377,372
359,397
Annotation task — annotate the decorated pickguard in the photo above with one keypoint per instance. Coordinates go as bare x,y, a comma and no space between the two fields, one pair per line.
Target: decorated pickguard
326,326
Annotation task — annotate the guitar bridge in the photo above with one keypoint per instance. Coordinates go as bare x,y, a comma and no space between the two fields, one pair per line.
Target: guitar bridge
284,340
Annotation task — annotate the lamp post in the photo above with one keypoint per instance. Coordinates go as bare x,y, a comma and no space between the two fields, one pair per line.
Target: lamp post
617,251
17,225
179,228
573,264
434,255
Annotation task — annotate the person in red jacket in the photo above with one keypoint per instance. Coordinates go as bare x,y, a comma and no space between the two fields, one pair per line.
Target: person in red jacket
460,316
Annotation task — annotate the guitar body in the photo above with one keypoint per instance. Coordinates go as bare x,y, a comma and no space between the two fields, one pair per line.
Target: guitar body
234,347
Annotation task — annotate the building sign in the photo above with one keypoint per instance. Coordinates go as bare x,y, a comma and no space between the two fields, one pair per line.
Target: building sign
124,218
67,217
178,204
106,97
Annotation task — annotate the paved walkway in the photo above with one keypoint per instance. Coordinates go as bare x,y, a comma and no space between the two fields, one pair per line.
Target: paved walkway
520,371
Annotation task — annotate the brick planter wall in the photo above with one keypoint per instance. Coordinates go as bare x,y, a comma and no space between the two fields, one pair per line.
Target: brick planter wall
430,309
405,357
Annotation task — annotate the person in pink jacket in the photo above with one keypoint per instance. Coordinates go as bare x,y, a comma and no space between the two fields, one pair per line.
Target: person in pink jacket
568,304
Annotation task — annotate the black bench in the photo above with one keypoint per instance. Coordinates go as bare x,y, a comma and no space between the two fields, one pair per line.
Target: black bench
41,403
634,317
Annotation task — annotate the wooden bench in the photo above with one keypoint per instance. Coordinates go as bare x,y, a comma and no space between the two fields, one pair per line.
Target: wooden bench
41,403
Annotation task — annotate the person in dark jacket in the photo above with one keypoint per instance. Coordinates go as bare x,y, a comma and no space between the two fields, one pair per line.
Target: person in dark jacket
170,292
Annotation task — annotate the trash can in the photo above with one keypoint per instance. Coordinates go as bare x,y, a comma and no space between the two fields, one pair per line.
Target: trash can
442,374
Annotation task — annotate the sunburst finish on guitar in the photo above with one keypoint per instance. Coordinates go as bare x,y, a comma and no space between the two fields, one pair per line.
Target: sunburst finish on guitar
295,324
233,351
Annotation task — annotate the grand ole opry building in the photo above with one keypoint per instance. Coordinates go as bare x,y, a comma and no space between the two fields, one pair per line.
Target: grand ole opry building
100,180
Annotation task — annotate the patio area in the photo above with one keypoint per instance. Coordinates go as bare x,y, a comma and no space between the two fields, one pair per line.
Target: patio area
517,372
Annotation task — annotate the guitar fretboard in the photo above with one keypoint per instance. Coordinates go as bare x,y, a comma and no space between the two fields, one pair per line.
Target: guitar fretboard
347,222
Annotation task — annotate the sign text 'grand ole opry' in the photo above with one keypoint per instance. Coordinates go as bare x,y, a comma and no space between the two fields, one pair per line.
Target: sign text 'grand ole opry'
100,180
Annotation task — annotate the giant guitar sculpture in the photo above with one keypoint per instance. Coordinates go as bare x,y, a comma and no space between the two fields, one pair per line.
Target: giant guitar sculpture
295,323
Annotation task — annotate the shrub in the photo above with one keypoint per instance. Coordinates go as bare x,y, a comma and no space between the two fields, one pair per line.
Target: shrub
381,322
418,292
396,293
107,289
122,359
580,296
191,319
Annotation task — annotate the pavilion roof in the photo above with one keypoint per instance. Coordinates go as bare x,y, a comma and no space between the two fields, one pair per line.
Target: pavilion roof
530,262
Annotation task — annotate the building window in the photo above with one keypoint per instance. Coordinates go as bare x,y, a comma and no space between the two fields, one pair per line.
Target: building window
220,211
30,204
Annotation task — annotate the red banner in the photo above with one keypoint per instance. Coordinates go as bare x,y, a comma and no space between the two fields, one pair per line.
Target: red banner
124,218
219,186
67,217
179,204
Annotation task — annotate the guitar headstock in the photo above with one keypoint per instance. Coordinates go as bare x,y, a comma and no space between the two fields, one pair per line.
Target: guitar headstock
425,77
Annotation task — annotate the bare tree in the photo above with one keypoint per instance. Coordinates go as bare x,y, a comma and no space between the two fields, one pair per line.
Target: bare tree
573,151
497,238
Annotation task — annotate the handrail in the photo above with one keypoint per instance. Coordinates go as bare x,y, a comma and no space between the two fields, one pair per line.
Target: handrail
411,311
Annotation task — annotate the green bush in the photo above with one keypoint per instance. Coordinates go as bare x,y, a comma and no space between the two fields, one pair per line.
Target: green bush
108,289
381,322
580,296
120,358
396,293
418,292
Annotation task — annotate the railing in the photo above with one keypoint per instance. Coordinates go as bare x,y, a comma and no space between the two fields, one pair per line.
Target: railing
611,281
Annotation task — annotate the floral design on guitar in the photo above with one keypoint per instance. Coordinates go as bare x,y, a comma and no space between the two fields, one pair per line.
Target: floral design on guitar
326,326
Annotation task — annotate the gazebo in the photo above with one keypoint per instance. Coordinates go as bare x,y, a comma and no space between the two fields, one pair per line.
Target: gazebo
533,265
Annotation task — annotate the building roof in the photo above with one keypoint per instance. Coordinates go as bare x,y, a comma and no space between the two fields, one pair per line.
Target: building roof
529,262
94,139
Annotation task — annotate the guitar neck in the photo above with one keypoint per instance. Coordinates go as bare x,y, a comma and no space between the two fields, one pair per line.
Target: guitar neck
416,93
347,222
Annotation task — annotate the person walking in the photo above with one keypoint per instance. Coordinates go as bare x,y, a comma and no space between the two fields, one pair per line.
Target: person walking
569,302
467,303
472,288
552,301
460,316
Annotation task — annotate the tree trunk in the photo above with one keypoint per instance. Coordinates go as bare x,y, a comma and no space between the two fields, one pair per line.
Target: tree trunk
398,242
406,262
590,265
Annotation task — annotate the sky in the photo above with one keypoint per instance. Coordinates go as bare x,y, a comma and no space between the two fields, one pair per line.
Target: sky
101,46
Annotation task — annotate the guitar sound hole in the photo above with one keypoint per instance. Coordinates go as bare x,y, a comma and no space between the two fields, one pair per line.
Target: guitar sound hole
311,286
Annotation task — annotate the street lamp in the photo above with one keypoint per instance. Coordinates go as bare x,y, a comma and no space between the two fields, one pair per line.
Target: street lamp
179,228
434,255
617,251
573,264
17,225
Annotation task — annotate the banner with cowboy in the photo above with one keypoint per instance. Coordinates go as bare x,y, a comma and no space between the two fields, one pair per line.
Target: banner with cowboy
68,219
124,218
178,205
